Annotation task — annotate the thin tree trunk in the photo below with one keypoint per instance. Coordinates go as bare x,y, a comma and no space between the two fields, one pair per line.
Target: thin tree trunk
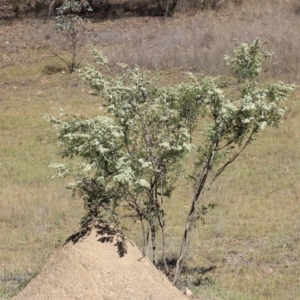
162,227
167,7
153,240
51,9
189,225
170,8
146,239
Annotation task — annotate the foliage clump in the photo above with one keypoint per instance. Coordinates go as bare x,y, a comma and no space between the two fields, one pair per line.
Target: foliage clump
131,158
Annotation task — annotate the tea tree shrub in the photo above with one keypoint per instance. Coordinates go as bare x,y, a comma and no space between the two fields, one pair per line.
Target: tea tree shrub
131,157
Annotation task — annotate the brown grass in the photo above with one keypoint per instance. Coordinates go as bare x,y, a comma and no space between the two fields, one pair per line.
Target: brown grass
251,237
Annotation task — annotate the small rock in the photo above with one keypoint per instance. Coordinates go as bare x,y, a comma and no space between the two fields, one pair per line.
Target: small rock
187,292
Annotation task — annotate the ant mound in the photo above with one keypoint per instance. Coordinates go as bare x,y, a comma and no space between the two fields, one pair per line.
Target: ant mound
99,262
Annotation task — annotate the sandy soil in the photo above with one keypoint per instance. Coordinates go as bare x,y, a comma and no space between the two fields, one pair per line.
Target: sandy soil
99,262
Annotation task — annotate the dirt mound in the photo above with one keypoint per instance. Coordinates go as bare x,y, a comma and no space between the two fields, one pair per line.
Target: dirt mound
99,262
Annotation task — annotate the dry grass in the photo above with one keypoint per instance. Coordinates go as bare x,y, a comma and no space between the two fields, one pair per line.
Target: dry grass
190,43
251,237
198,42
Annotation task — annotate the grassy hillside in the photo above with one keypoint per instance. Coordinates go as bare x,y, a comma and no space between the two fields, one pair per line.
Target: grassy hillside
249,245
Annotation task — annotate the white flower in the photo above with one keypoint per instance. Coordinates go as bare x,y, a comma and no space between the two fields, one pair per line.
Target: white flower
143,183
263,125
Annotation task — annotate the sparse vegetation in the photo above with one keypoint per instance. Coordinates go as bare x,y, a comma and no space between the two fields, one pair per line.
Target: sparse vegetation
73,28
250,242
